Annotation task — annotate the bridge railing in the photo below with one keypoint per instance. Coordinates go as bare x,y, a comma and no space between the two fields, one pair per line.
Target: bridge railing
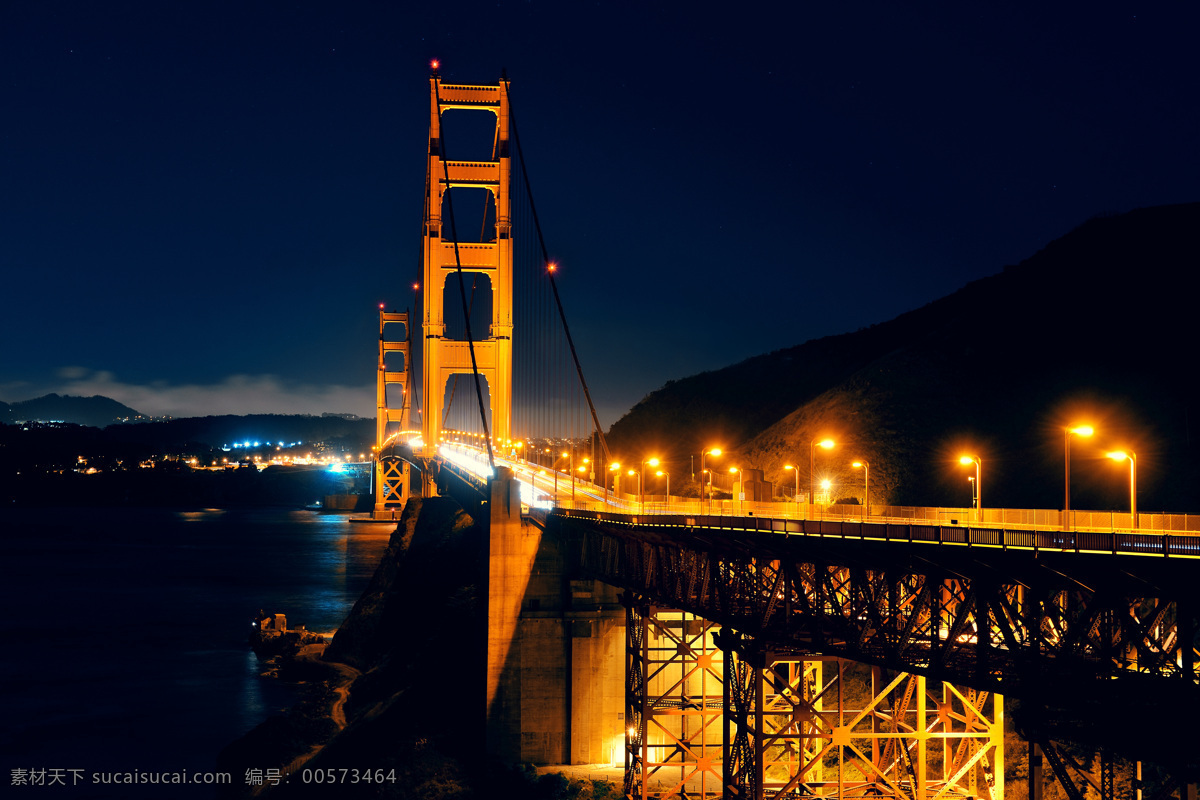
592,497
1146,544
1007,518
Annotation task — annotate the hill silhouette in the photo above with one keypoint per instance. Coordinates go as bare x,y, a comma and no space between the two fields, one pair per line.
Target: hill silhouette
96,411
220,431
1098,325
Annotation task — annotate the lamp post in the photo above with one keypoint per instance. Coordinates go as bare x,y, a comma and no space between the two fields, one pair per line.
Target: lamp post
1081,430
796,471
966,460
661,473
1121,455
971,480
742,486
571,469
653,461
614,467
554,467
812,462
582,470
633,472
716,451
865,466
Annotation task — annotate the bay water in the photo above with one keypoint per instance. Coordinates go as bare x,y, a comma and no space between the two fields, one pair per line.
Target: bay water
125,633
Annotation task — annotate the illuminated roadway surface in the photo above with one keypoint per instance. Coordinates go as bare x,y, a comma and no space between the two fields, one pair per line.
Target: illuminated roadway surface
538,491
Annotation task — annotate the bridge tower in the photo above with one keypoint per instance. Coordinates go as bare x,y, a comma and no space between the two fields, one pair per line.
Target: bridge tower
391,472
443,256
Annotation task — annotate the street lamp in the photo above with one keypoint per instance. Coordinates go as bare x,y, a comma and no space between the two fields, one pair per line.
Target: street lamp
795,470
1082,430
735,471
554,467
660,474
827,488
1121,455
571,468
653,461
965,461
633,472
866,468
812,462
582,470
716,451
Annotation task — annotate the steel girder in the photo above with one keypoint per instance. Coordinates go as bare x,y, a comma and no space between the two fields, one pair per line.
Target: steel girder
797,728
1079,647
674,687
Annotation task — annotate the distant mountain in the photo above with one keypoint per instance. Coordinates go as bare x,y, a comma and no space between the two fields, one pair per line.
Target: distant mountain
1100,324
225,430
96,411
218,431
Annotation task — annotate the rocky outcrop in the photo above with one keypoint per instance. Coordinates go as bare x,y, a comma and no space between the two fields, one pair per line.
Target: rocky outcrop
416,635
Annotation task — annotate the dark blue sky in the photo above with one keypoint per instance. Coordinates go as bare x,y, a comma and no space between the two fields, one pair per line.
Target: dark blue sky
202,203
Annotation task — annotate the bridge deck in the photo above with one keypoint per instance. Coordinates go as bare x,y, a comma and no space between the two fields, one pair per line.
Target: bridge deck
1084,627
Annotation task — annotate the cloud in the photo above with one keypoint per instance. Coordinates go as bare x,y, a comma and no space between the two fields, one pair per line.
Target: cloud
236,394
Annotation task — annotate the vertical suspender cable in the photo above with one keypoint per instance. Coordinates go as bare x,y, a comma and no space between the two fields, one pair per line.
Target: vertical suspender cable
557,300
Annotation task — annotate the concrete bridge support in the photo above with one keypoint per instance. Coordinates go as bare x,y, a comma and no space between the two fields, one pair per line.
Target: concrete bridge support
512,548
554,669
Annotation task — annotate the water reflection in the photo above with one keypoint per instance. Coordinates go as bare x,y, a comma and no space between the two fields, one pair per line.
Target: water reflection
133,623
199,516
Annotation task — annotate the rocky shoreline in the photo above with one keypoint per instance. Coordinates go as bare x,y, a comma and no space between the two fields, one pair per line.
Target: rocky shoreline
393,705
358,709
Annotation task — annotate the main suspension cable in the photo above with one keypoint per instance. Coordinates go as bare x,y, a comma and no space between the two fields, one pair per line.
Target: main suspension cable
550,272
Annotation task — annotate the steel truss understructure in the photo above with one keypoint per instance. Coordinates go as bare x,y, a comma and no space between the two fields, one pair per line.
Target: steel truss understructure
797,732
1079,639
740,721
674,703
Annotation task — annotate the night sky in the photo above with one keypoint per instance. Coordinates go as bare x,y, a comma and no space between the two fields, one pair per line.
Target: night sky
203,203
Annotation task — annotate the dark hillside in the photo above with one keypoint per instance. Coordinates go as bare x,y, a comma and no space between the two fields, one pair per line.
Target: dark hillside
96,411
1099,324
221,430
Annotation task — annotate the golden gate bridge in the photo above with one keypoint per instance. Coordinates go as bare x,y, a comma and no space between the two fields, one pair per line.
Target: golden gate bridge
736,626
